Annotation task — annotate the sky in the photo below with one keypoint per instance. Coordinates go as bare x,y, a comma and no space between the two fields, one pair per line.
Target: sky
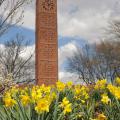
79,22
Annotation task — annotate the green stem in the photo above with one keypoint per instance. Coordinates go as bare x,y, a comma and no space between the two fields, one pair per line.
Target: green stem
21,110
1,116
61,115
55,109
43,116
38,117
6,111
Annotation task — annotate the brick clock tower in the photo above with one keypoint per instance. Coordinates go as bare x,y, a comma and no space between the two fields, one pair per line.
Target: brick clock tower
46,42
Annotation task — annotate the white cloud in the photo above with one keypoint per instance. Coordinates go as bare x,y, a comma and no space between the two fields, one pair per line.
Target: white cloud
84,18
66,51
29,15
27,51
67,76
29,19
2,47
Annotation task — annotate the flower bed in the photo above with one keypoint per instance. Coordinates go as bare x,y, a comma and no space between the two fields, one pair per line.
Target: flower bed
62,102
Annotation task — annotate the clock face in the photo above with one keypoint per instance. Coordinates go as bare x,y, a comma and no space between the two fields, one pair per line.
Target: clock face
48,4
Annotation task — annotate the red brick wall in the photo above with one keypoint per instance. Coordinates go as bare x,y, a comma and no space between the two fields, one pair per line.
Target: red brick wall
46,42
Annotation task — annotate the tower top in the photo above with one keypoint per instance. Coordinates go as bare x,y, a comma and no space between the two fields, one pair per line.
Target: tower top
47,6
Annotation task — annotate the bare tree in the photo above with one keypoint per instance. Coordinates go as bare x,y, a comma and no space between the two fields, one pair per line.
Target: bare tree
109,53
114,28
81,63
100,61
11,13
13,62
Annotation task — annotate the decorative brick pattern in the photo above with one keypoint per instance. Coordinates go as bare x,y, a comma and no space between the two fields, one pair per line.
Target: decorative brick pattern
46,42
48,6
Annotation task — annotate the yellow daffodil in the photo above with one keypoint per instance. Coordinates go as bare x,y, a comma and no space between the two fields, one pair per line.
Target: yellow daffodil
105,99
67,108
36,95
81,93
25,100
77,90
117,93
83,101
60,86
23,92
100,84
117,80
7,95
66,105
101,117
111,88
114,90
42,106
65,102
9,102
69,84
53,95
45,89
